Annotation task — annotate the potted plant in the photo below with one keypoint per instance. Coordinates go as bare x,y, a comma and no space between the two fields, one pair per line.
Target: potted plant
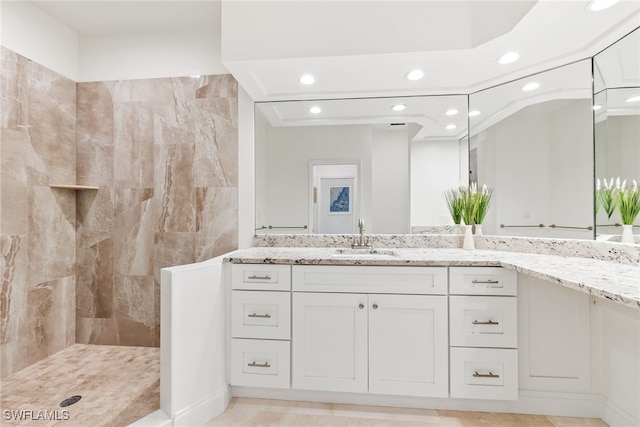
482,200
605,196
628,202
455,203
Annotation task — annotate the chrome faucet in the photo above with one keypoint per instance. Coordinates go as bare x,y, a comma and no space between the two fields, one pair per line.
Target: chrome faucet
362,242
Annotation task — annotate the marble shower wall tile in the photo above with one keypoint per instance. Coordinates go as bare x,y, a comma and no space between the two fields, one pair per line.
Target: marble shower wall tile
37,127
51,317
14,79
174,187
216,222
52,117
85,265
164,153
13,304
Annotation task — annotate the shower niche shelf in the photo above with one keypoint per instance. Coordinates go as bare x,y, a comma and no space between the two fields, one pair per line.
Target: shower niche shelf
74,187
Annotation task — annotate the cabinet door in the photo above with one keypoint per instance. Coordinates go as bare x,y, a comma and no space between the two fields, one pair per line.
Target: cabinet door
553,337
408,345
329,340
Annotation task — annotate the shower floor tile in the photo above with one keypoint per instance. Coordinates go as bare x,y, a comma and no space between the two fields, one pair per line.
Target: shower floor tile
118,385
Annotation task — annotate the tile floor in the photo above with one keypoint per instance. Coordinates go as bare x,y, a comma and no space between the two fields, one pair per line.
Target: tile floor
119,385
262,412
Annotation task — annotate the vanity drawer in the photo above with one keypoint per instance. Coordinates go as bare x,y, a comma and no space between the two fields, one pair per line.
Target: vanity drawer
484,373
482,281
370,279
483,321
256,314
261,277
260,363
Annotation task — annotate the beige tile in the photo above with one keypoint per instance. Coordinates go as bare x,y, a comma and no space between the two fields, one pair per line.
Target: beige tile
100,374
576,422
264,412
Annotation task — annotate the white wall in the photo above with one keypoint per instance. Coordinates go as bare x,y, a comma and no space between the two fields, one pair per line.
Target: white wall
288,153
571,167
516,157
390,181
434,169
29,31
32,33
143,56
247,170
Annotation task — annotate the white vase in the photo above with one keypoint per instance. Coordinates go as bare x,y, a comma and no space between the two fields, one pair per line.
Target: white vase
468,238
627,233
478,229
458,229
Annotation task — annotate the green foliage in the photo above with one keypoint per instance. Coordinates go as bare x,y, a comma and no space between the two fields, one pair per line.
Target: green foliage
628,202
455,203
468,204
606,197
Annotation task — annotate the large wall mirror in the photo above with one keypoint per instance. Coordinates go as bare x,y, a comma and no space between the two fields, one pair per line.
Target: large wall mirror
617,126
322,165
531,140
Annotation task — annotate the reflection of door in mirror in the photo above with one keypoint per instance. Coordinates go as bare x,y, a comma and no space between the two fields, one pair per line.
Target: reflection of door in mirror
334,200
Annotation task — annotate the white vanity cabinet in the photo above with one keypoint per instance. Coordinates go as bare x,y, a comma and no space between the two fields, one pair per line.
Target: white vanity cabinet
391,340
260,325
483,326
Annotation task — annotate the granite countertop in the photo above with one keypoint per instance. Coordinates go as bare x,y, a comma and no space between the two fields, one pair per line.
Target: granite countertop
616,282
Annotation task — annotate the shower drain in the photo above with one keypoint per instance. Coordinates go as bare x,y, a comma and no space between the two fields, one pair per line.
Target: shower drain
70,401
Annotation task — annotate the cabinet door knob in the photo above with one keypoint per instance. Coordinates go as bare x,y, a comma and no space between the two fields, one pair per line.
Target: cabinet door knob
375,306
360,306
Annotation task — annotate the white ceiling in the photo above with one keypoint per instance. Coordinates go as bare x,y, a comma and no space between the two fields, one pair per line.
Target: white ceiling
106,18
365,47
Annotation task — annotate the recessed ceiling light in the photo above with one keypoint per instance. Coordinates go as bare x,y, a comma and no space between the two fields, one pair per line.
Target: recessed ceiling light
315,110
508,58
633,99
596,5
398,107
415,75
530,86
474,113
451,126
597,107
451,112
307,79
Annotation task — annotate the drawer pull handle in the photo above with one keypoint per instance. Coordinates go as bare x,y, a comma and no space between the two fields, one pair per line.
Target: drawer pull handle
489,375
488,322
263,316
259,365
490,282
254,277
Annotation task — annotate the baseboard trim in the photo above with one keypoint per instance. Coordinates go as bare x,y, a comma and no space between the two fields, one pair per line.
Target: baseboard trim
155,419
615,416
207,409
529,402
